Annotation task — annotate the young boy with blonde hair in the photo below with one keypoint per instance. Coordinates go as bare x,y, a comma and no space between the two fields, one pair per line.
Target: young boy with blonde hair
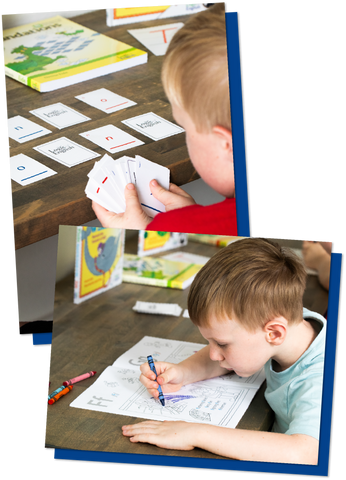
195,79
247,301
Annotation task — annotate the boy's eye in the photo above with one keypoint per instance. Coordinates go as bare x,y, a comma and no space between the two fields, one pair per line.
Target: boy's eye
221,345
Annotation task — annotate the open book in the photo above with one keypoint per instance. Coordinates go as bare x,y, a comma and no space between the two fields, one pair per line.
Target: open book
219,401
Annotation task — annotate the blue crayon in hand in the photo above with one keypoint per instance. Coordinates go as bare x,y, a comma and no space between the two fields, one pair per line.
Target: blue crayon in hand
153,369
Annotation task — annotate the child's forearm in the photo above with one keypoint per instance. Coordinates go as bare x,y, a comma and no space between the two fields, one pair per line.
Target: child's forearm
200,367
255,446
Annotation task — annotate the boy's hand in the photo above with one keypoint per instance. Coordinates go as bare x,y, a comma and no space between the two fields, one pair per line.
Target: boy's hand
133,217
173,198
175,435
169,376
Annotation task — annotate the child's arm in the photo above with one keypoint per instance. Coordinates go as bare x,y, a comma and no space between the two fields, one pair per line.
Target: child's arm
234,443
172,376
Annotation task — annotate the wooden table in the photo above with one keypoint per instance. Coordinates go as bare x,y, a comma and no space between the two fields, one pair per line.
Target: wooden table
41,207
90,336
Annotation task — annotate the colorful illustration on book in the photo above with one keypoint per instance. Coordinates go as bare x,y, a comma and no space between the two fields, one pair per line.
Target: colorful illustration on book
48,50
121,16
57,52
99,256
208,401
158,271
150,242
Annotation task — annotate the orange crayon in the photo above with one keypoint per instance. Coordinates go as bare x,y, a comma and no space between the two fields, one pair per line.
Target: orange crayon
60,394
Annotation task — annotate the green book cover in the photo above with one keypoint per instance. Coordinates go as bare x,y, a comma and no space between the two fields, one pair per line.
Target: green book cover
158,271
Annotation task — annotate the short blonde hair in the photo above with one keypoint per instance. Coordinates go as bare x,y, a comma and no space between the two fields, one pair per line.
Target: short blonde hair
195,70
252,280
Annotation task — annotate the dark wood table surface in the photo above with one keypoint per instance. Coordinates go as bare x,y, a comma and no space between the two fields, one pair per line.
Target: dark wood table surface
41,207
91,335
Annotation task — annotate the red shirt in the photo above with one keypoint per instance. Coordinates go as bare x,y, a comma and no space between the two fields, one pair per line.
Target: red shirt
217,219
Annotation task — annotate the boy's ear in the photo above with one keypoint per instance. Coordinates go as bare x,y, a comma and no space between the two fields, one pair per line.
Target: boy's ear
276,331
225,136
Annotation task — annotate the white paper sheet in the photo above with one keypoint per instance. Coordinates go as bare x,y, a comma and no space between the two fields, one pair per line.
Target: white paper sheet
219,401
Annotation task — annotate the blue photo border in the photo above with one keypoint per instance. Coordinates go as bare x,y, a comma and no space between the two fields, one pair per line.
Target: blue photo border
238,137
243,224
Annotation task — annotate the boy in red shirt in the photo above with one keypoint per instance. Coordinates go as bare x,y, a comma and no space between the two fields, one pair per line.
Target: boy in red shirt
195,79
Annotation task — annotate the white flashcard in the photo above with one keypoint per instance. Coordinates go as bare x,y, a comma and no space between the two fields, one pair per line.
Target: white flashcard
106,100
95,192
112,138
108,179
22,130
66,152
156,39
106,183
59,115
153,126
26,170
147,171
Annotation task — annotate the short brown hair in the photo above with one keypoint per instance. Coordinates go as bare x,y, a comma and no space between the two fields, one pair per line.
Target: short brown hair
195,70
252,280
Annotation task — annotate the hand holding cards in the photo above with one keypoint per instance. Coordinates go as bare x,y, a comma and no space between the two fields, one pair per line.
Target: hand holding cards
108,179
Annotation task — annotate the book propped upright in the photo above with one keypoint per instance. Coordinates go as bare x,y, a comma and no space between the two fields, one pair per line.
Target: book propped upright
58,52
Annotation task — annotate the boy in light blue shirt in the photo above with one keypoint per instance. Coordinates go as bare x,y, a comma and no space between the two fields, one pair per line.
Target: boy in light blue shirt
247,301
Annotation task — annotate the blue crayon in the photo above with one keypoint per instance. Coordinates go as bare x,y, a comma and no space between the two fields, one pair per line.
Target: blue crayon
56,391
153,369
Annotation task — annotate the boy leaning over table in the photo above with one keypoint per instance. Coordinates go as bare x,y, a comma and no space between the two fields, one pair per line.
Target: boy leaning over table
247,301
195,79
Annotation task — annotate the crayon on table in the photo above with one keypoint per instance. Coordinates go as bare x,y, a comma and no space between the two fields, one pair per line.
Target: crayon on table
153,369
60,394
79,378
56,391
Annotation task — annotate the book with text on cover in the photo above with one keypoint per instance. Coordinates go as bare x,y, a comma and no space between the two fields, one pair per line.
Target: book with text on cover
58,52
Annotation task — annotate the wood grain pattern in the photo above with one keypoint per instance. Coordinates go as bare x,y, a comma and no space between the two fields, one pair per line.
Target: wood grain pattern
39,208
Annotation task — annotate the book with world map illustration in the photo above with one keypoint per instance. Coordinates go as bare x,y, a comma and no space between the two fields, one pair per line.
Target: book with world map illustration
57,52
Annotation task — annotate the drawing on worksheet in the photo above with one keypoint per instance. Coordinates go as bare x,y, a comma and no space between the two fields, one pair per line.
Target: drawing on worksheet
219,401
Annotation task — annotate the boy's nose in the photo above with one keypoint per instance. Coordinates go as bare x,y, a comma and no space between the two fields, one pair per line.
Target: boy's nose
215,354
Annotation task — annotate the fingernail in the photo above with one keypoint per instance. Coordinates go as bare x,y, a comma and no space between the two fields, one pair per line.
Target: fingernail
154,183
130,186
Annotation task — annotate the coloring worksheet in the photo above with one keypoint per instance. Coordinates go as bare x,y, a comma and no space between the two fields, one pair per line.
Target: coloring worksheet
219,401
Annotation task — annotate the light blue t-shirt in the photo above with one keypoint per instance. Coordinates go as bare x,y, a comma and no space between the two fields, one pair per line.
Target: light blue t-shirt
295,394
